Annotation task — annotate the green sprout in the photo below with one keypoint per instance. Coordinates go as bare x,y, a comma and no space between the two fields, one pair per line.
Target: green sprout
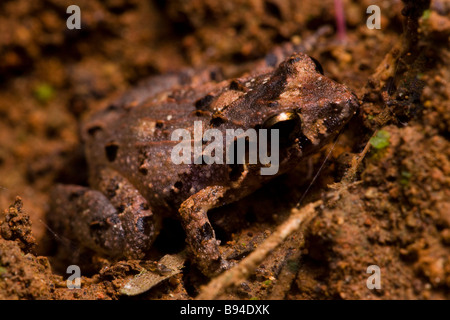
380,140
426,14
405,177
44,92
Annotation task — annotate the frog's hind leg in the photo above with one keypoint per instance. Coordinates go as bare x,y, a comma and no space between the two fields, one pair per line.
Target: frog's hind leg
140,224
200,235
115,221
87,218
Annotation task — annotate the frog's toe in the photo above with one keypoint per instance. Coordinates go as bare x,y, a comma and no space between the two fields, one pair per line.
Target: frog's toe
226,264
216,267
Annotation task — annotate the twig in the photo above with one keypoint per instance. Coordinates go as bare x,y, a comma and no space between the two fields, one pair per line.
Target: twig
241,271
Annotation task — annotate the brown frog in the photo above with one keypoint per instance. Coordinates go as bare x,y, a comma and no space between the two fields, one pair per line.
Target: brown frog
134,182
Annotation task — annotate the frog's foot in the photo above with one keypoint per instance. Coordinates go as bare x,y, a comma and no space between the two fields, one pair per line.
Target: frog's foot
200,235
120,225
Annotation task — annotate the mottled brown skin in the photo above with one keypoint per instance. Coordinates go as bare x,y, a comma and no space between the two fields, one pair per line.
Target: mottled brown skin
134,182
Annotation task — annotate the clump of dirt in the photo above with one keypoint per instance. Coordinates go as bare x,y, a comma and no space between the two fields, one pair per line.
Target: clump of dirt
22,274
17,227
395,218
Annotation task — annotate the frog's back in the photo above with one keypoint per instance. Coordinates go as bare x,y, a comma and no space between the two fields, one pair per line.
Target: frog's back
133,137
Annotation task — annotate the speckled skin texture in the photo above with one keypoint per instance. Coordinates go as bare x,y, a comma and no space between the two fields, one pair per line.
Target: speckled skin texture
134,183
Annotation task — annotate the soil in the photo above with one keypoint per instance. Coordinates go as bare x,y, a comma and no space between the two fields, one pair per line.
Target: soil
385,188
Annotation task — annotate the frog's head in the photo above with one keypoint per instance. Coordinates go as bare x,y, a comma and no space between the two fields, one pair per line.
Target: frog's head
306,107
309,109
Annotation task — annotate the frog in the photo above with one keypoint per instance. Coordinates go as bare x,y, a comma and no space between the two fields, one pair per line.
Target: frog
134,184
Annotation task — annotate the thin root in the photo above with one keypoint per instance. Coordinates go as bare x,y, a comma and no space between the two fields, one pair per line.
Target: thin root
245,268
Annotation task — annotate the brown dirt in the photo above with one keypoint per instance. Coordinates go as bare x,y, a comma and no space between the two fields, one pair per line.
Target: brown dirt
392,210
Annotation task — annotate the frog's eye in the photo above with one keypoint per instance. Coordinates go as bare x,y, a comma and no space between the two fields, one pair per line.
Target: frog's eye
319,68
282,118
288,124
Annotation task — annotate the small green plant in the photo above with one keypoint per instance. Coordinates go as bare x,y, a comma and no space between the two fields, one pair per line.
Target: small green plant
380,140
44,92
267,282
405,177
426,14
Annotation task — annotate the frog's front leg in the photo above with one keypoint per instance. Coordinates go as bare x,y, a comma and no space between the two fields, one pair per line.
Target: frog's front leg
200,235
115,221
